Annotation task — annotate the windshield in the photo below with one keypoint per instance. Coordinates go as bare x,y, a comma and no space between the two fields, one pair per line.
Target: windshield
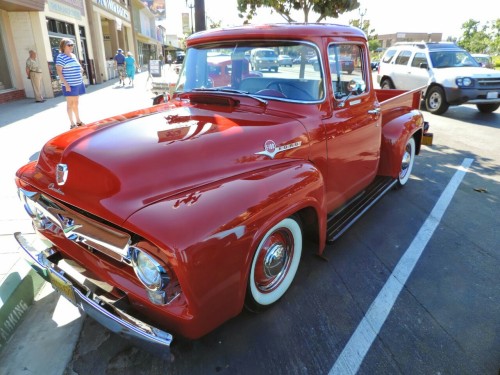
252,67
450,59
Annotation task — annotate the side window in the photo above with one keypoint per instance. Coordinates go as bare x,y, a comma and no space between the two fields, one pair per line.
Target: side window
347,64
403,58
418,59
388,56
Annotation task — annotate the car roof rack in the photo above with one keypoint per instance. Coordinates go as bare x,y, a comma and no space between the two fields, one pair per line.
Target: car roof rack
431,46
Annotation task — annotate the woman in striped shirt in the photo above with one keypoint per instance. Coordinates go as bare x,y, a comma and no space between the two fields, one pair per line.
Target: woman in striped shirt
70,73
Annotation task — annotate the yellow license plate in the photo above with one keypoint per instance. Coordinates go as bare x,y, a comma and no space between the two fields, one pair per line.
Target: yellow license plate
62,286
427,139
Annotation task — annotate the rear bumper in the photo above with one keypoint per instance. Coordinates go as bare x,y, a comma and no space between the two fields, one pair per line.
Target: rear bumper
104,312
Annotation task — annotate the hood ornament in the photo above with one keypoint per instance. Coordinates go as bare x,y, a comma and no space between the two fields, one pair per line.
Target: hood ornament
61,174
271,150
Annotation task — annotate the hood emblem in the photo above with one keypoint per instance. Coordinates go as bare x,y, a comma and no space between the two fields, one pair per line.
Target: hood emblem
271,150
61,174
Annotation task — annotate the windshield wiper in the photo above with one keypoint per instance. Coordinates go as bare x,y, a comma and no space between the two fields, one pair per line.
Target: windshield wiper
232,91
222,89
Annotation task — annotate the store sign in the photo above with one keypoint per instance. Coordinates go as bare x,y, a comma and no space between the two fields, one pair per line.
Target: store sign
154,68
77,4
115,8
66,10
186,29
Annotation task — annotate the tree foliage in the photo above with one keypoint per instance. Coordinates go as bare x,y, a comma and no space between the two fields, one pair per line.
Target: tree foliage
324,8
373,42
477,38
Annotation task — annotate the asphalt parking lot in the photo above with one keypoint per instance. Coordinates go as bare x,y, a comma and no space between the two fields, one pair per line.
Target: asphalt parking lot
356,311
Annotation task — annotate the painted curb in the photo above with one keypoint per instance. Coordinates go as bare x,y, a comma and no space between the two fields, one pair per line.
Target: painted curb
17,305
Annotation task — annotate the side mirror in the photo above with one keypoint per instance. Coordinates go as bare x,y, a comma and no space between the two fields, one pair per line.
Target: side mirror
356,86
162,98
424,66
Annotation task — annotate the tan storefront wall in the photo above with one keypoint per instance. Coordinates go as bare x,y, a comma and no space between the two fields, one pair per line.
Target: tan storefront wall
24,31
111,25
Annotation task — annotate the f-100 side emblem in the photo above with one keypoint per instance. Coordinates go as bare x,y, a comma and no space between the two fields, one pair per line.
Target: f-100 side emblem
61,174
271,150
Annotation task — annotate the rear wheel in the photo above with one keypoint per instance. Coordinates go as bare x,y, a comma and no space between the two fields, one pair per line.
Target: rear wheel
487,108
435,101
387,84
407,162
274,264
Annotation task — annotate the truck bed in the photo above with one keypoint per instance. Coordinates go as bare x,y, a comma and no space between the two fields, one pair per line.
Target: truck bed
391,99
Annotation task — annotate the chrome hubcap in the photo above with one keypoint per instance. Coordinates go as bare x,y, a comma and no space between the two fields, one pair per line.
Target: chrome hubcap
273,261
406,162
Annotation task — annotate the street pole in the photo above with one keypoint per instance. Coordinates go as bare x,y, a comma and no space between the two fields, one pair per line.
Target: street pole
191,6
199,15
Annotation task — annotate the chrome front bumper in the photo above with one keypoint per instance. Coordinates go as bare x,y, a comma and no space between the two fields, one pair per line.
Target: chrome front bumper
105,313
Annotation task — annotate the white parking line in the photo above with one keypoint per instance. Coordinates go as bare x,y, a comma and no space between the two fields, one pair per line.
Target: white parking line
360,342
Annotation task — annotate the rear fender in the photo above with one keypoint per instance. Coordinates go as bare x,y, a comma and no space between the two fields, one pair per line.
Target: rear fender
398,127
209,234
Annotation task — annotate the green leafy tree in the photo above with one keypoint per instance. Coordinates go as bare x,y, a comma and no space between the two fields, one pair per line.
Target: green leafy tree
373,42
474,38
495,36
479,38
213,24
324,8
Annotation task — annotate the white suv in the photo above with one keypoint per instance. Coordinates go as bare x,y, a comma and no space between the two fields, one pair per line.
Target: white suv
451,75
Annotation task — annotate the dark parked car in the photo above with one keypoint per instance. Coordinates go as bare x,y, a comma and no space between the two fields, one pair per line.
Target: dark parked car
375,64
179,58
285,60
346,64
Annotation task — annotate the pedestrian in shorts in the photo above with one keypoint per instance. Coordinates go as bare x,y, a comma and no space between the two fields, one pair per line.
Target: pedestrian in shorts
120,65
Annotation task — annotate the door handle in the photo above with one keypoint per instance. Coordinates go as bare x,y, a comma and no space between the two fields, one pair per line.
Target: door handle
375,111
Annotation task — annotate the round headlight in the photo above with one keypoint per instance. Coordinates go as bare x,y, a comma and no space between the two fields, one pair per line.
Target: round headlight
464,81
467,82
147,269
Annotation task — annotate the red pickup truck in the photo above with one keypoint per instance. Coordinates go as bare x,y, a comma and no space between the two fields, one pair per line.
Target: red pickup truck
173,218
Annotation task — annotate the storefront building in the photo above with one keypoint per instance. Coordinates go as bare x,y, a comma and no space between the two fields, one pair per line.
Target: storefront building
98,27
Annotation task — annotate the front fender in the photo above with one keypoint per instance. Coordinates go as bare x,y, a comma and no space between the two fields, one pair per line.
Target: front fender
398,127
208,235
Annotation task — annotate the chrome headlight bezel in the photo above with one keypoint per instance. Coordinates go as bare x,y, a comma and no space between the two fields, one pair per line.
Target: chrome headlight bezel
151,273
28,202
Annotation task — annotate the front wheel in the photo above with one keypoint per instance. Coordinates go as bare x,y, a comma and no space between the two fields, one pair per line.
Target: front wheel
387,84
487,108
407,162
435,101
274,264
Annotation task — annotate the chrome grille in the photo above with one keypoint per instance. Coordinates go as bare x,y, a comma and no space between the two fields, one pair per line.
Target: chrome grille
48,214
489,83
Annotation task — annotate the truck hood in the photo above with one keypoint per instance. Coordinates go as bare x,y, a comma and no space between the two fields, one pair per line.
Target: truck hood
449,75
117,166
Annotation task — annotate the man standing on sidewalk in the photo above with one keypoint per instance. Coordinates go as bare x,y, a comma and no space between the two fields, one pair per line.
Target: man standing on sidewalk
34,73
120,65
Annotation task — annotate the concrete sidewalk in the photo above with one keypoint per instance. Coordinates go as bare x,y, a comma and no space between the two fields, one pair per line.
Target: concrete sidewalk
26,302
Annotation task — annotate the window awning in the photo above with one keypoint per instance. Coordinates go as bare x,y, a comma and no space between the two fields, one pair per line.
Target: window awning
22,5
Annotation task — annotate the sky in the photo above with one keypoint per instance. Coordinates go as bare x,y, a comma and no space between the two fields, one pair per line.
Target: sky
386,16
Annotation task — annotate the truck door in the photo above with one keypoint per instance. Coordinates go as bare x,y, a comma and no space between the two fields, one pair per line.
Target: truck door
353,131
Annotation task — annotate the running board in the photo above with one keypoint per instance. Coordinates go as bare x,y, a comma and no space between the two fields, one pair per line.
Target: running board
341,220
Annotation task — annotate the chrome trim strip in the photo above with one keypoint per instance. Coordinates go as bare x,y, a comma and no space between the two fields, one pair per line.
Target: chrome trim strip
106,314
258,97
